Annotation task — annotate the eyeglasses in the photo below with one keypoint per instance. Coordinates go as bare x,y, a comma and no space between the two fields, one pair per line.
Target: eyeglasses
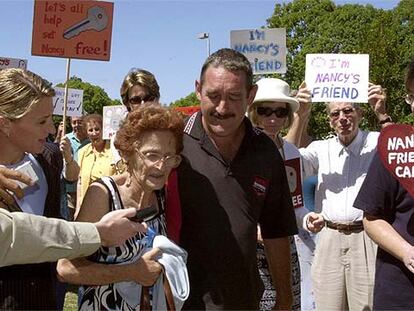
409,99
138,100
280,112
346,111
153,159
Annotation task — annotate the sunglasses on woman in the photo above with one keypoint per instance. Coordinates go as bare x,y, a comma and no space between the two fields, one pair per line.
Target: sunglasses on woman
138,100
280,112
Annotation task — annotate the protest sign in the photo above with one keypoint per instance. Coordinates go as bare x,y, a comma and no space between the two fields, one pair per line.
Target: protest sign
338,77
264,48
293,174
75,102
112,117
7,62
72,29
396,150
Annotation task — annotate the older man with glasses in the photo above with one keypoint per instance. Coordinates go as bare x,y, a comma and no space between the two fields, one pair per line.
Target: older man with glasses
344,263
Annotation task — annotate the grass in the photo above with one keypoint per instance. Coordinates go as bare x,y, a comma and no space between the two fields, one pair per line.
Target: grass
71,299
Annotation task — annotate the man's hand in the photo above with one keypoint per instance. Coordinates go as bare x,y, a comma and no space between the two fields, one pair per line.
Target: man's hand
408,258
304,96
377,98
315,222
66,149
8,185
147,269
115,227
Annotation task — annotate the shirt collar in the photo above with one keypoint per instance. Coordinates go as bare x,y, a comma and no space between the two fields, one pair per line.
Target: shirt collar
354,147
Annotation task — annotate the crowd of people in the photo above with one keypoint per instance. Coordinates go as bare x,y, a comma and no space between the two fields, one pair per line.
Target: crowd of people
228,227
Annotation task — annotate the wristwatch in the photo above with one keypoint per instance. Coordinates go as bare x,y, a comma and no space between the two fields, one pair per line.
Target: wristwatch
386,120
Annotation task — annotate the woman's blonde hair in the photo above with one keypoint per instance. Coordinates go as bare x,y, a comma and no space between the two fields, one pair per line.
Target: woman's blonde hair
20,90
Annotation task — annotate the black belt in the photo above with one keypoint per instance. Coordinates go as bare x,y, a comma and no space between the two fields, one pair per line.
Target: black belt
346,227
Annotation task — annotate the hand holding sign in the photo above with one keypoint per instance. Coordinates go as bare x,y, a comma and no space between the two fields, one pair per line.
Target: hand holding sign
304,96
377,98
396,150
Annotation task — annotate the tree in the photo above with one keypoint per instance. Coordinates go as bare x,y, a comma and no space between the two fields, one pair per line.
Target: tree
189,100
94,97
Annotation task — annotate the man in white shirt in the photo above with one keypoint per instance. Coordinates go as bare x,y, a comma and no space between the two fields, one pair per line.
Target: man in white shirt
344,263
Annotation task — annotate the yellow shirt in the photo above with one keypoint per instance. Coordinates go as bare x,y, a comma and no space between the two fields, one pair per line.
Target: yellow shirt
93,166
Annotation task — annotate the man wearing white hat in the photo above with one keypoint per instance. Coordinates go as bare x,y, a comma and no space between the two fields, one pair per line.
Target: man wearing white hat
344,263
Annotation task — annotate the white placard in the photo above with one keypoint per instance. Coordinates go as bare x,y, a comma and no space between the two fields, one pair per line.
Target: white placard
338,77
112,117
264,48
7,62
75,102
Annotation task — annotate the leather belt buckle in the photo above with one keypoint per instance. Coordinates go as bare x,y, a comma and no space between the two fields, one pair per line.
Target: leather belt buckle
347,228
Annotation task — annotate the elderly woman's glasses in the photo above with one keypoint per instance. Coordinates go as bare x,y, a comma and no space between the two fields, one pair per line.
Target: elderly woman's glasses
153,159
138,100
280,112
409,99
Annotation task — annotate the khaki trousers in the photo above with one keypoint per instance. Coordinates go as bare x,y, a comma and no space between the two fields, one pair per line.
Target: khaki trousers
343,271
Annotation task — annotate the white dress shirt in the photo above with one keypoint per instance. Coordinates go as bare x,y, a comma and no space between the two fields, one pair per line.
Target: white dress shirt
341,171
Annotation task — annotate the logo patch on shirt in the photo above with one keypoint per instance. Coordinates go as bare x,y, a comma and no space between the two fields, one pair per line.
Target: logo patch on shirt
260,185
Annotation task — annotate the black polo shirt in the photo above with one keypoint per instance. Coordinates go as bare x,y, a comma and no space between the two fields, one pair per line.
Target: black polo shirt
381,195
222,203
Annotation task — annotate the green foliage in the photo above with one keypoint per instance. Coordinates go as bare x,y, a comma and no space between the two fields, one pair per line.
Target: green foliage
319,26
190,100
94,97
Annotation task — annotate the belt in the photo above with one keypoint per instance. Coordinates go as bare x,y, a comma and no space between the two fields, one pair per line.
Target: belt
345,227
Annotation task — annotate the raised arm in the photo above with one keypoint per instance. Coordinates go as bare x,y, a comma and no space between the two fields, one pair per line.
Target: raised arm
71,168
377,99
301,117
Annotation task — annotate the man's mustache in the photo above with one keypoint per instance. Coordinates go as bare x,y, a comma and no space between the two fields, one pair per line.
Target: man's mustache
222,116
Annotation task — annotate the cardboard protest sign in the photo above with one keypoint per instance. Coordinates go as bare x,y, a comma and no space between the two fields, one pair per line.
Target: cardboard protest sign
75,102
338,77
112,117
293,174
72,29
264,48
7,62
396,150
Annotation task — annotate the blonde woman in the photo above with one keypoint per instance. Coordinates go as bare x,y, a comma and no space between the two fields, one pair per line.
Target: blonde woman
272,111
25,122
95,159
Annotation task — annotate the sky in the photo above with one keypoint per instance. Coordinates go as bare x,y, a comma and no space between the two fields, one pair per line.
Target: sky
158,35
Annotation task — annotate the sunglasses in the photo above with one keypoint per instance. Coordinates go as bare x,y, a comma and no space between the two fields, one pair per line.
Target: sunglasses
138,100
280,112
346,111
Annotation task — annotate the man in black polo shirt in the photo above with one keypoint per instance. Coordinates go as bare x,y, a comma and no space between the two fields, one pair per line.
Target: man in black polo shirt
232,178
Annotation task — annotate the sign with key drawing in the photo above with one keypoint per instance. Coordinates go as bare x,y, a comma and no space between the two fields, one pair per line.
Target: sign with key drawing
72,29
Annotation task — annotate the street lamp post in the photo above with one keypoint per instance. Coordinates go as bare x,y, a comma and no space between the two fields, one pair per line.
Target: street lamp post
205,35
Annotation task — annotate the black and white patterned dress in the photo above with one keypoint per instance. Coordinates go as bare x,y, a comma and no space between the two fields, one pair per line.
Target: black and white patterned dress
112,296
